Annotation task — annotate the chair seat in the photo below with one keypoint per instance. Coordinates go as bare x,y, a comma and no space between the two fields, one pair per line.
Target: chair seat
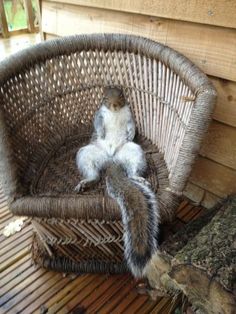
52,190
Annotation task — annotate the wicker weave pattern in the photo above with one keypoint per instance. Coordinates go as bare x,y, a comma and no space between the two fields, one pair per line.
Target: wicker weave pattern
52,188
48,97
54,106
81,239
49,91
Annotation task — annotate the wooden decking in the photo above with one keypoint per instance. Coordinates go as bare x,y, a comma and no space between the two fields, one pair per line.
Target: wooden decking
26,288
16,43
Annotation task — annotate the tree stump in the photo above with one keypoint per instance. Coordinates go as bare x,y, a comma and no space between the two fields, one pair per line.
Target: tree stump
200,261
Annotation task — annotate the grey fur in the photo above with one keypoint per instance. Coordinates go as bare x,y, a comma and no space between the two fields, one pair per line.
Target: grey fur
137,260
111,140
111,147
98,124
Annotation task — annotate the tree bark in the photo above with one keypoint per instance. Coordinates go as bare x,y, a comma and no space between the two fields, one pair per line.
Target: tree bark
200,261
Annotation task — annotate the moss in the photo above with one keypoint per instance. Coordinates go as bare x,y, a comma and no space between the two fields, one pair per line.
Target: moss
212,248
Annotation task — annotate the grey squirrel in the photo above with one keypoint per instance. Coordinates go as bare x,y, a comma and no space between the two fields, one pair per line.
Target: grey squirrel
112,149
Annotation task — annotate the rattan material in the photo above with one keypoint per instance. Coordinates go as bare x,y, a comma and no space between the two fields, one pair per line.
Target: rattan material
60,261
48,96
52,192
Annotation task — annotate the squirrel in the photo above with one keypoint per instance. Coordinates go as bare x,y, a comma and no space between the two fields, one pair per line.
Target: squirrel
112,149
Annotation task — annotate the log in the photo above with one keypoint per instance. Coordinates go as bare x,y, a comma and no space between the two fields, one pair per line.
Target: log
200,261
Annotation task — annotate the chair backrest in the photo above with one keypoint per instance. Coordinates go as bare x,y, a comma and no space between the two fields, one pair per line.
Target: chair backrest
50,91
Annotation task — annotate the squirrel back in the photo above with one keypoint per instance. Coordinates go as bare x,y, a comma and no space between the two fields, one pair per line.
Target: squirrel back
139,216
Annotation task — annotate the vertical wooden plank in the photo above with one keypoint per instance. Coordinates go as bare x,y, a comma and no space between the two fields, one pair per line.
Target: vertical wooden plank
3,20
219,144
213,177
213,12
225,110
39,15
29,14
213,49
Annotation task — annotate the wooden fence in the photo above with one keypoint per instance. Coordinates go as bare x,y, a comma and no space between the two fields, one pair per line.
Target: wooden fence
30,17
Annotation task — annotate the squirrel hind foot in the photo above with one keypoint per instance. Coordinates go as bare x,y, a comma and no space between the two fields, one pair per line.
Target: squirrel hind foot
84,184
141,180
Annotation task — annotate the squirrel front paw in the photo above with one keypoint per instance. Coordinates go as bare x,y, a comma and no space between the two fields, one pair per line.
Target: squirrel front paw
84,184
80,187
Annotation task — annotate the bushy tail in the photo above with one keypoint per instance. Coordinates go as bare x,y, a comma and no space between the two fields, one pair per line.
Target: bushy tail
140,217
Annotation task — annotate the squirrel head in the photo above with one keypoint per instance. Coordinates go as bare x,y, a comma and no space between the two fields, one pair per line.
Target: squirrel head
114,98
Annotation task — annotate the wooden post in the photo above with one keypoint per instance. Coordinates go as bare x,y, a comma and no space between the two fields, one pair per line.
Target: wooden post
39,10
3,20
29,14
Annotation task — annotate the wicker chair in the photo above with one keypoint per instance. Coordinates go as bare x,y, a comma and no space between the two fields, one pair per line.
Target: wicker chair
48,96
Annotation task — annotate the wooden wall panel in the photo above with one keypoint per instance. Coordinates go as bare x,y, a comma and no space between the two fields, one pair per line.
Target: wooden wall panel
210,200
220,144
213,49
226,103
194,192
213,12
62,20
50,36
213,177
200,196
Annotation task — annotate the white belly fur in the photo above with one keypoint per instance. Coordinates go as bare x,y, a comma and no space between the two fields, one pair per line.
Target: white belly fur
115,129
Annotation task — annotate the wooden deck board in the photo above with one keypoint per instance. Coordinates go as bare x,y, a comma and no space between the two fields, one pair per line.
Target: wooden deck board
13,279
117,297
14,44
58,285
92,298
7,241
79,296
135,305
25,288
12,270
33,297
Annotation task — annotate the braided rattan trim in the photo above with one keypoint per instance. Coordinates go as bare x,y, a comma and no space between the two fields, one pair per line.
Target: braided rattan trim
63,264
113,42
94,207
76,253
68,232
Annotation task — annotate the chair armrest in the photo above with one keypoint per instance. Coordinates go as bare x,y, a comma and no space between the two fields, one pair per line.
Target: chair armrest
8,177
195,129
